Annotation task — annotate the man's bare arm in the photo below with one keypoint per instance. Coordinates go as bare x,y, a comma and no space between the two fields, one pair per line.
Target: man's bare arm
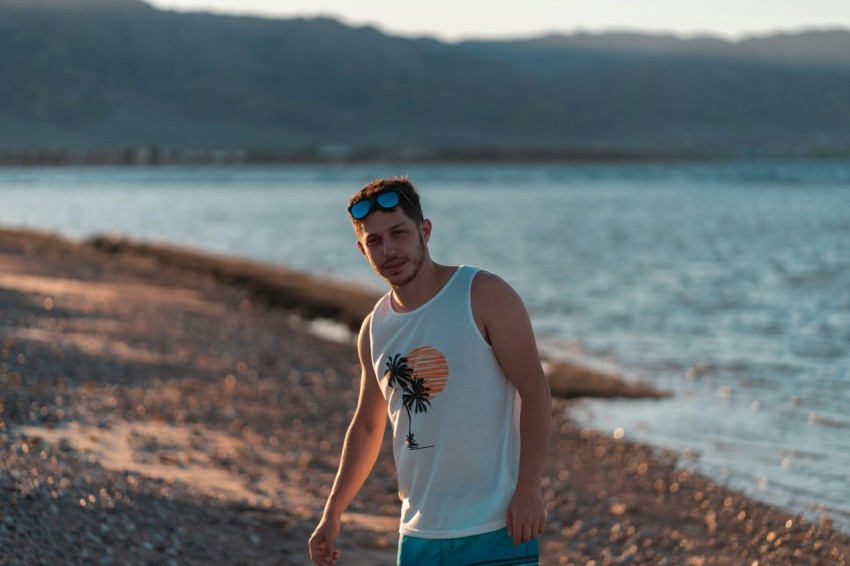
507,327
359,453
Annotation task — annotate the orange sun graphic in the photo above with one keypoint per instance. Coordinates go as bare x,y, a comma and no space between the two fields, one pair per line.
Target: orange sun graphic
429,364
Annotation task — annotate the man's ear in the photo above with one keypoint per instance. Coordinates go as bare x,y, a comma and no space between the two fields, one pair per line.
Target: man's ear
426,227
361,248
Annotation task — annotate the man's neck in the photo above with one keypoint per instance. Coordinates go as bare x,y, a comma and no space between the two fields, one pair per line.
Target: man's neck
428,282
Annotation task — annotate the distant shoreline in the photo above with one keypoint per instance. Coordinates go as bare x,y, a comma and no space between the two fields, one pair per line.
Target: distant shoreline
156,156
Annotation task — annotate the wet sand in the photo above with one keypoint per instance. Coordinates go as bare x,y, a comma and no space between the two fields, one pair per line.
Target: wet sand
160,406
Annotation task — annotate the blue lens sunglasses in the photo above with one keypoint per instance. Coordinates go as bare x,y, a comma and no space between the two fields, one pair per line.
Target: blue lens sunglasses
386,200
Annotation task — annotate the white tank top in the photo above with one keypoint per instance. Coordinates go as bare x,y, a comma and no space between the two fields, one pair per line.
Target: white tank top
454,414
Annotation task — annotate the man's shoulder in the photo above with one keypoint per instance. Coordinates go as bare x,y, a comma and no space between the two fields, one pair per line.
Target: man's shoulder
487,283
493,299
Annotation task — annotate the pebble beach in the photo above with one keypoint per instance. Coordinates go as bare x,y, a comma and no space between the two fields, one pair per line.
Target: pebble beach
164,406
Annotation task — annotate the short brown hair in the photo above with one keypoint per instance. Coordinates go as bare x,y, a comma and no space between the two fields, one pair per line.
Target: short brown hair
409,201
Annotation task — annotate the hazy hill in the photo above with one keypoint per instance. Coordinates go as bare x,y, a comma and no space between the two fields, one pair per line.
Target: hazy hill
76,4
88,74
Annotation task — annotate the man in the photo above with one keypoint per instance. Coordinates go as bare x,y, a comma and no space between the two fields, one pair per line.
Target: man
450,355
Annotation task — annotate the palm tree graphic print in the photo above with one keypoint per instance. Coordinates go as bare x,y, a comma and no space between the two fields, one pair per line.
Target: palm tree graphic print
420,375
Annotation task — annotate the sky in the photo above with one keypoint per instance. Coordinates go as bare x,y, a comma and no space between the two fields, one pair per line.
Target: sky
460,19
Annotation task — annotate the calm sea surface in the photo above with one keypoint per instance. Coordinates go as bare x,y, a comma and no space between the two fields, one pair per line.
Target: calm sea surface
728,284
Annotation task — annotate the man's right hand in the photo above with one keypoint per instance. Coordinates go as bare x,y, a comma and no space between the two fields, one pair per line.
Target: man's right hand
322,550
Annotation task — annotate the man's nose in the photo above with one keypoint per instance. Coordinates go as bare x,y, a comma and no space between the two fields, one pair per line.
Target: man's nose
389,248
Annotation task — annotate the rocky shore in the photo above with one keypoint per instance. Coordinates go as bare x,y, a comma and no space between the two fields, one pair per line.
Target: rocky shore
159,406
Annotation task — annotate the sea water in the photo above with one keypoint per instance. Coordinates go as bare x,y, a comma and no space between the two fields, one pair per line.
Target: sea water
727,284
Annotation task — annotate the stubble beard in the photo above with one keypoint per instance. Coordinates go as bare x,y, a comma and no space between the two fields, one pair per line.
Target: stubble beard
417,262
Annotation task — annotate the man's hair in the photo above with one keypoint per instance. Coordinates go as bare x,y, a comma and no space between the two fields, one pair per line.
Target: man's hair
409,201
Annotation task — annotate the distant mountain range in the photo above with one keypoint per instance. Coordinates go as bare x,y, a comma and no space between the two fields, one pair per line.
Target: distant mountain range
89,75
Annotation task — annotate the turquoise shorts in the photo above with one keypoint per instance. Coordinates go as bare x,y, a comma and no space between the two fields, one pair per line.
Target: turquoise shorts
490,549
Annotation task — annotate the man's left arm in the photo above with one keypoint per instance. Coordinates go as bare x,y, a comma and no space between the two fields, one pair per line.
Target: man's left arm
504,321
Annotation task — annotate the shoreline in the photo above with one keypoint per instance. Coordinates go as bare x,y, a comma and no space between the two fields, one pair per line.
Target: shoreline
164,157
179,393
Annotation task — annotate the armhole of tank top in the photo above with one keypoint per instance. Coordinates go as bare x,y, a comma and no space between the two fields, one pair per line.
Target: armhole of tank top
471,315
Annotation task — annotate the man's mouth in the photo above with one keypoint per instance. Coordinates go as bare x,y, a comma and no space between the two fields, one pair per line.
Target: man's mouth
394,264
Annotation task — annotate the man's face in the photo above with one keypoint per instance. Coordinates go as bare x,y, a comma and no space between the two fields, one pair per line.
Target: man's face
394,245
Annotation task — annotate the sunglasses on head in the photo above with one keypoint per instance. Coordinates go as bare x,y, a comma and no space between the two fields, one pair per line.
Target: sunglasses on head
386,200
